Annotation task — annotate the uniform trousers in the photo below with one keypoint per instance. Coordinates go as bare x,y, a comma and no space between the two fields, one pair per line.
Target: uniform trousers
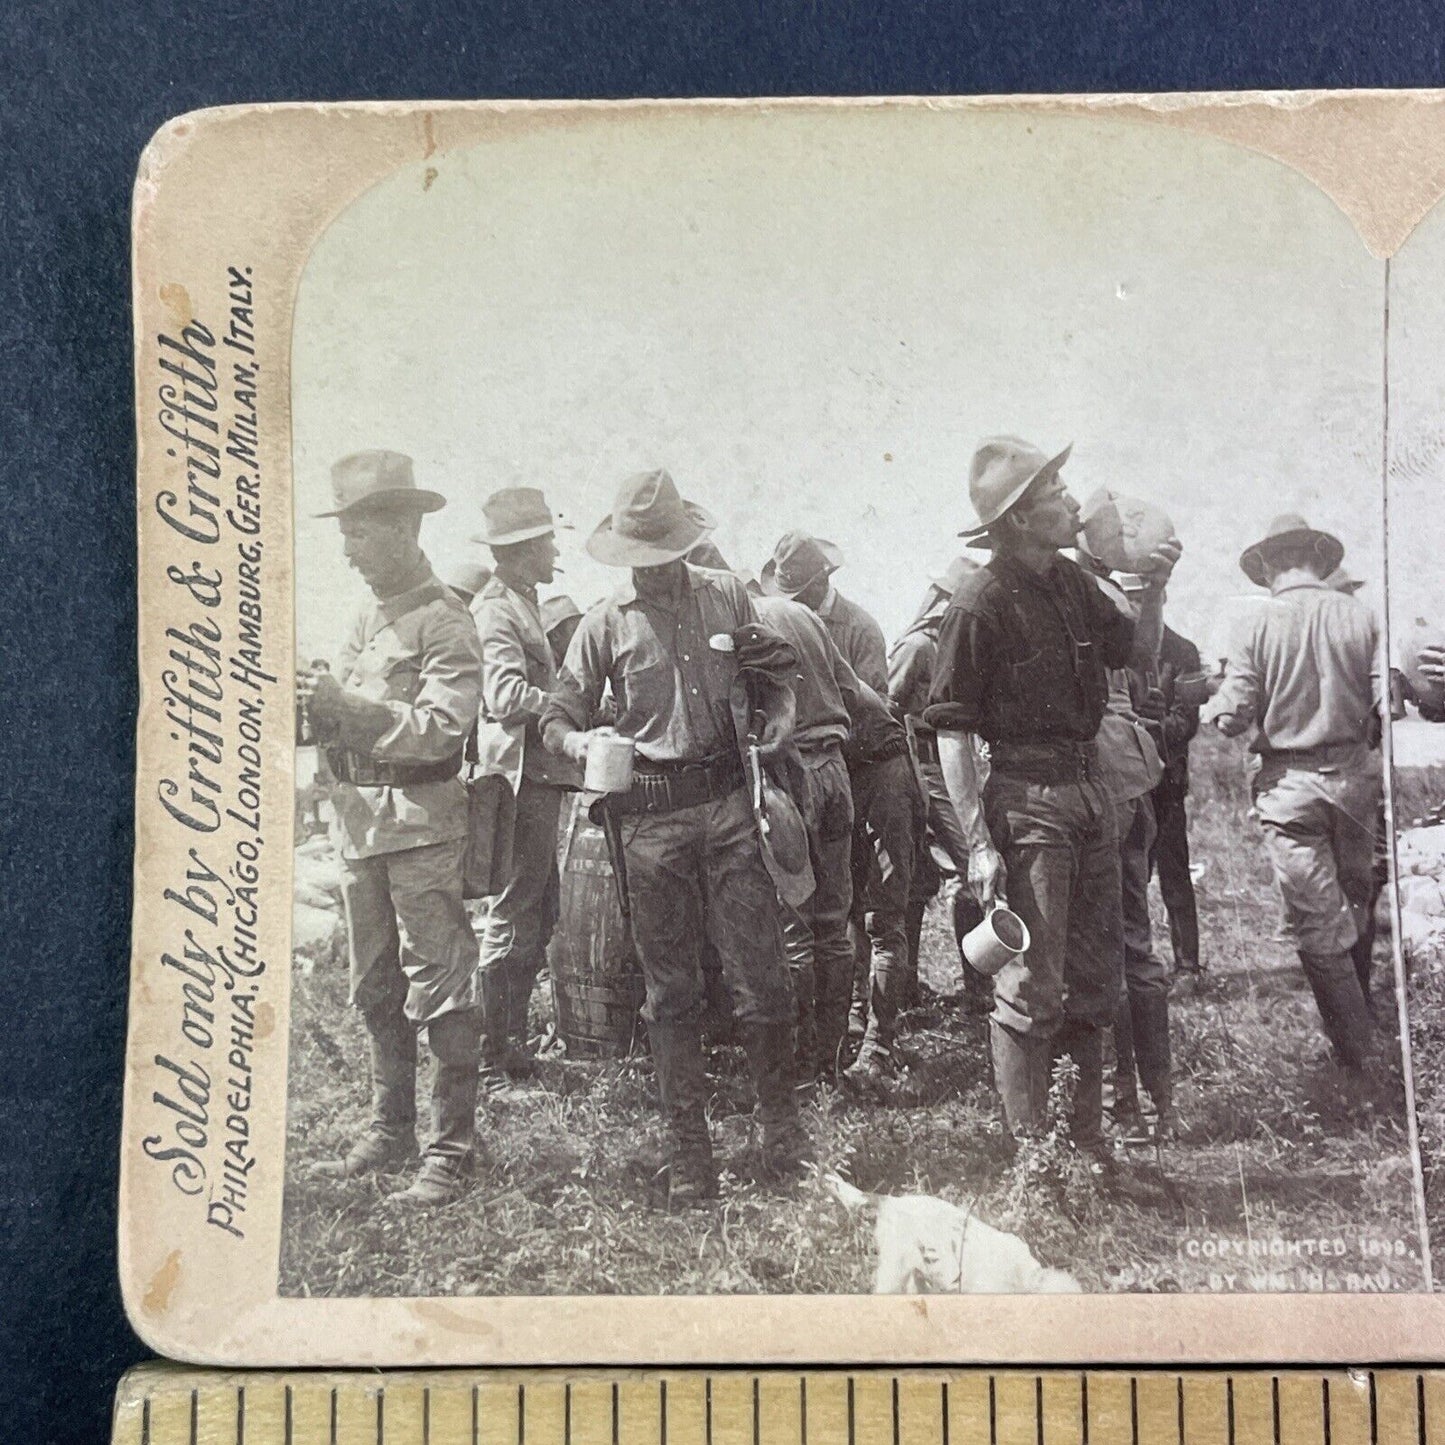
519,920
414,965
1170,857
888,813
819,950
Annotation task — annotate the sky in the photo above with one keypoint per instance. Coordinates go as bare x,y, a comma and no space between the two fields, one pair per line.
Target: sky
812,319
1417,428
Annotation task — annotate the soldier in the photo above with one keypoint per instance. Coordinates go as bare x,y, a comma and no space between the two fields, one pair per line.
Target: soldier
832,706
665,640
560,616
1307,677
887,802
1179,682
394,713
910,676
518,672
466,576
1023,657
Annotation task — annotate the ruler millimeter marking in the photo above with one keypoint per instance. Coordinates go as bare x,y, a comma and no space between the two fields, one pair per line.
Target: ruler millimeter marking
172,1405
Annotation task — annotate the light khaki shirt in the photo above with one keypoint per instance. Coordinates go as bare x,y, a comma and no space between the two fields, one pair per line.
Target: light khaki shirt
518,672
417,654
1306,672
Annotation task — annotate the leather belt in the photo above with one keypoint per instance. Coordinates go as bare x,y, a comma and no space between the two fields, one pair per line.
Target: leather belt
1060,761
1327,755
925,745
668,787
366,772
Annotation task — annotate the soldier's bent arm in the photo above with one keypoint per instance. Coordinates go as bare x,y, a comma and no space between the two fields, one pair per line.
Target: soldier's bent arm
572,704
957,758
1237,703
506,693
433,725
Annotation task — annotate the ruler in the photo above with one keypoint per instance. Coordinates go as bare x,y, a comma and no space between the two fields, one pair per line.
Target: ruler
165,1404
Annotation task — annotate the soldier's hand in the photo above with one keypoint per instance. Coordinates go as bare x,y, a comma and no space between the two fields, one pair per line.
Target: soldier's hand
986,876
321,692
1152,706
575,744
1432,663
1160,562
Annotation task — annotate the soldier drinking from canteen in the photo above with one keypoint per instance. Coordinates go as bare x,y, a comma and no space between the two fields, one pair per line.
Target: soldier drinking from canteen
1023,659
665,641
393,714
518,671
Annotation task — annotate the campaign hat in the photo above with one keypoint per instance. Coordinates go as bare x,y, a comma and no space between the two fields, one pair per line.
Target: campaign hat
649,524
377,478
557,610
1002,470
467,573
798,559
1289,529
515,514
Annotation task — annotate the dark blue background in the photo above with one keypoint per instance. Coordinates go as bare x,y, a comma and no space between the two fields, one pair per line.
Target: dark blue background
83,87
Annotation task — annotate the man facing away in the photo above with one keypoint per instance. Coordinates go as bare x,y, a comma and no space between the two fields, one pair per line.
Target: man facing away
1023,659
887,802
665,641
945,846
1307,677
394,713
518,672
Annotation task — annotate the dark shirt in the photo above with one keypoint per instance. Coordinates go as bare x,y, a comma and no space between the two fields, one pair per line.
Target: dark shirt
859,639
670,676
1024,658
1178,657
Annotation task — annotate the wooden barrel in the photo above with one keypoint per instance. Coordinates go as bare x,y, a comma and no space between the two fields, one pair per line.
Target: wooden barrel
597,986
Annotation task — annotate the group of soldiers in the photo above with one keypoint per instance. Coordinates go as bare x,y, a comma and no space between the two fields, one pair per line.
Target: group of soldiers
1028,733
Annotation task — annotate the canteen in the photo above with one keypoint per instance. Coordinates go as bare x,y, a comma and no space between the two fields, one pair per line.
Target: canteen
609,763
999,939
1122,532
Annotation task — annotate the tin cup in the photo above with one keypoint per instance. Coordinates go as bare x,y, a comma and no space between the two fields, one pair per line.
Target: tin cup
999,939
609,763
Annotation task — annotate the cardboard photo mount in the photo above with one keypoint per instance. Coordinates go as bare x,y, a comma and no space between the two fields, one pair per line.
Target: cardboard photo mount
229,204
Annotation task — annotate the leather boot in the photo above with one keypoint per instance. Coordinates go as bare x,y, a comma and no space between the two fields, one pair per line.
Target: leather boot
450,1158
770,1062
1362,955
682,1082
500,1057
1155,1060
1021,1075
1126,1085
1343,1010
390,1138
908,993
521,982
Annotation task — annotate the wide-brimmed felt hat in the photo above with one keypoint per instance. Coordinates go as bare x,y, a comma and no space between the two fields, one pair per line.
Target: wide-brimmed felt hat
649,524
798,559
949,579
1289,529
557,610
515,514
467,573
1002,470
378,478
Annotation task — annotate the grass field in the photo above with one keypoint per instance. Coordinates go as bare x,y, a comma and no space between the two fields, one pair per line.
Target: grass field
1277,1145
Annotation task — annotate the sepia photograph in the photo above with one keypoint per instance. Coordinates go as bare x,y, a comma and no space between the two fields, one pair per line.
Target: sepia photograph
841,693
